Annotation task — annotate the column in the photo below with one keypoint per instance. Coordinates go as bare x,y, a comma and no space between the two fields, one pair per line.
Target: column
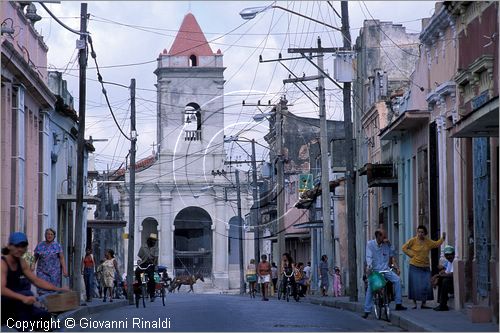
124,204
220,229
166,233
138,224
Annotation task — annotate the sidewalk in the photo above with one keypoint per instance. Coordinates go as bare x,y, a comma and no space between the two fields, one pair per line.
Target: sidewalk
410,320
84,310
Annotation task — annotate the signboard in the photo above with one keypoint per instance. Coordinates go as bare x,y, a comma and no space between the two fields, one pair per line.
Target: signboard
480,100
305,182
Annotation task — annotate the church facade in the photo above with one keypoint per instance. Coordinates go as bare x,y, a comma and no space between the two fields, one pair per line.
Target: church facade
184,196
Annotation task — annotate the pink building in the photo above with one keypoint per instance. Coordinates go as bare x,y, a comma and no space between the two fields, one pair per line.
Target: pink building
24,97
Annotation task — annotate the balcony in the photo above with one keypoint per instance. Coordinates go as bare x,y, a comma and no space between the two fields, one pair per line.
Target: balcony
192,135
379,175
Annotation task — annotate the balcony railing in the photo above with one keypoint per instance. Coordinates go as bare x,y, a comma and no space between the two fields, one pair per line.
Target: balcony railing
193,135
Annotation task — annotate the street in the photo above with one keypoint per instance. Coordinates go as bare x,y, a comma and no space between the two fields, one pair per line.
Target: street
229,313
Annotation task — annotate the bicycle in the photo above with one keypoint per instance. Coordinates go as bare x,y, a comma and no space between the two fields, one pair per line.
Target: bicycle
141,291
381,299
288,288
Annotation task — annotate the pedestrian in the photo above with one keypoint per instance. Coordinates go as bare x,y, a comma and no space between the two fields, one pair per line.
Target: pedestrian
149,259
445,279
379,254
264,271
300,279
323,272
18,303
337,282
88,272
274,275
308,275
251,276
49,261
419,275
109,269
99,278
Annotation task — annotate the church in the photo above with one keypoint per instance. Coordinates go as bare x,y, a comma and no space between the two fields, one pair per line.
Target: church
184,194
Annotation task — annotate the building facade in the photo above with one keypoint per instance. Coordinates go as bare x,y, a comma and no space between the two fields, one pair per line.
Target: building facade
447,130
180,196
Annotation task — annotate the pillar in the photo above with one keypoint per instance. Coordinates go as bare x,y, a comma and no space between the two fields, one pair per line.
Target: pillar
220,229
166,234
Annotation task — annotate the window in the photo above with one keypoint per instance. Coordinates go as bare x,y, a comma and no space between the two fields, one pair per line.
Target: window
193,61
192,122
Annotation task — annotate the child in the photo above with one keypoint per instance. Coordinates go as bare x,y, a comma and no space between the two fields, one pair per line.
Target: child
337,283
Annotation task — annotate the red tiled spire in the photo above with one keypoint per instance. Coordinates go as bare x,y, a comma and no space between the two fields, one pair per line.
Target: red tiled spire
190,39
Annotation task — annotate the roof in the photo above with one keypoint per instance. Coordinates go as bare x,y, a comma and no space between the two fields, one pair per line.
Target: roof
190,39
139,165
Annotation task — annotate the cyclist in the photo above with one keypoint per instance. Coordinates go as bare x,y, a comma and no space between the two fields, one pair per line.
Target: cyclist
287,272
379,255
149,259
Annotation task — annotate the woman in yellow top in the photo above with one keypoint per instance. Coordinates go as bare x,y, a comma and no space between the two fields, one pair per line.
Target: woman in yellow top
418,248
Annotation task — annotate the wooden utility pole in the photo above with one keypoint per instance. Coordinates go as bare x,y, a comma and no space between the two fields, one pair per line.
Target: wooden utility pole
280,179
325,170
350,204
80,179
240,247
256,209
131,195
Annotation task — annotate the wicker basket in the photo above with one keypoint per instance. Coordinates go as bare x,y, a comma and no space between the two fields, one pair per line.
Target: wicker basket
62,302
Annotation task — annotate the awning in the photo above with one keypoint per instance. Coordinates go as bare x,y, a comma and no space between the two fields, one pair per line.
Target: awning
408,120
482,122
310,225
90,199
106,224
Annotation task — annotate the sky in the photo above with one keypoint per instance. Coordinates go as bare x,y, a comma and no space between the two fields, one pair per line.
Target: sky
128,36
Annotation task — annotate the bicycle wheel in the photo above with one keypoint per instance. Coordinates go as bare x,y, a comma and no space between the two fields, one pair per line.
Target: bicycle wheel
162,294
377,305
387,309
287,293
280,290
137,299
144,294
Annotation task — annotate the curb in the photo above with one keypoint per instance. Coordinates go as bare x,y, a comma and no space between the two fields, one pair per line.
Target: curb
396,318
83,311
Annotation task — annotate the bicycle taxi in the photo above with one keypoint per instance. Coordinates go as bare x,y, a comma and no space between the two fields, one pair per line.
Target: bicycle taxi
161,284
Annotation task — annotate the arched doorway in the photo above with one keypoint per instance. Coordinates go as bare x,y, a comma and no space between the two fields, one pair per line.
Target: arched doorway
234,240
149,226
193,242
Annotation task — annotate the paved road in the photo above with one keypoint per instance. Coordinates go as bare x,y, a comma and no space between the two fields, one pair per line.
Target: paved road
229,313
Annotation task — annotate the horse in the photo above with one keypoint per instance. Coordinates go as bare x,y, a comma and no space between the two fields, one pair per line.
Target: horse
187,280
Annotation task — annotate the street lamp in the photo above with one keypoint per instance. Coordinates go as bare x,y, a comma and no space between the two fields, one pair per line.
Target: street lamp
255,193
251,12
279,110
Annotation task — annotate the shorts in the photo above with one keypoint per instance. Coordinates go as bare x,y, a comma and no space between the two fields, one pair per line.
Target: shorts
265,278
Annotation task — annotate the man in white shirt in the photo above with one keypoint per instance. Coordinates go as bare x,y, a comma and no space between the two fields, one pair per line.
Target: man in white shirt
445,279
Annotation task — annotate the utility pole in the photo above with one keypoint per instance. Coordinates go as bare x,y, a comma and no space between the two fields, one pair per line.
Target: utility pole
325,178
256,210
350,204
131,195
238,198
280,178
80,179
